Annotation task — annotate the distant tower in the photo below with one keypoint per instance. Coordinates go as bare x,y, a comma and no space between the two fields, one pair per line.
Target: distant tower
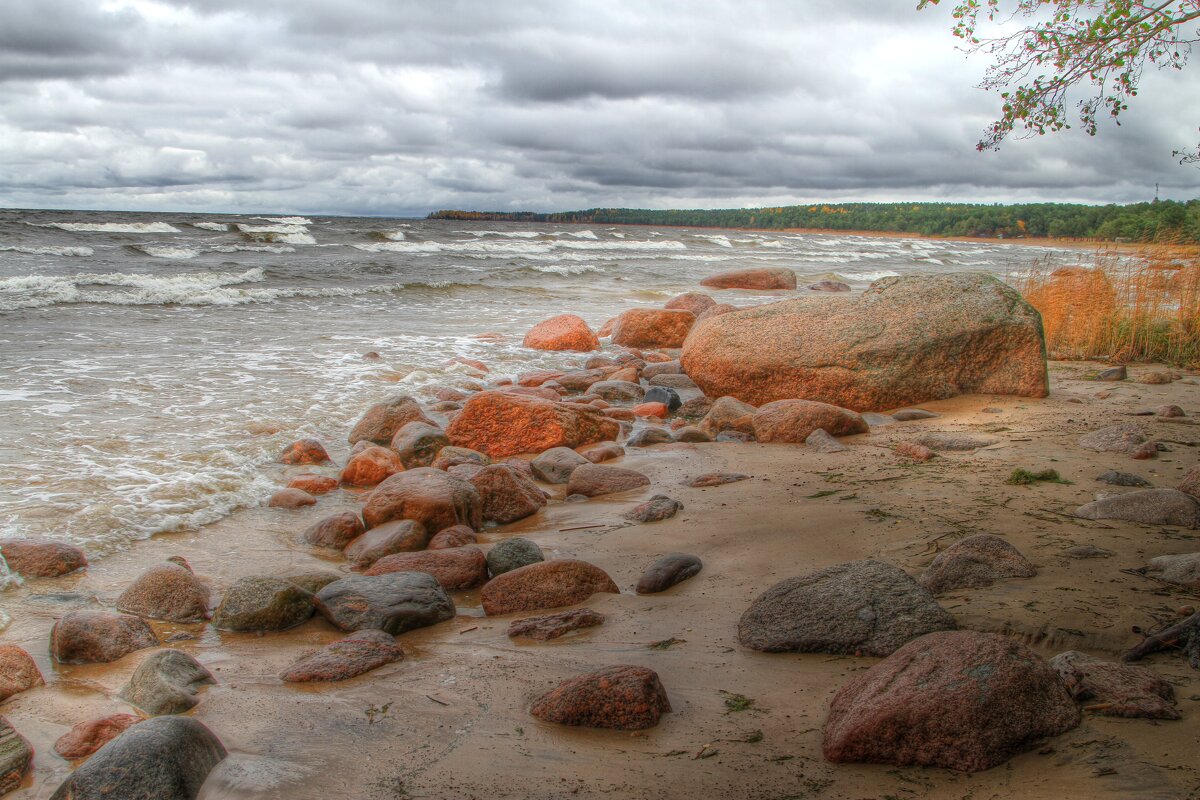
1156,192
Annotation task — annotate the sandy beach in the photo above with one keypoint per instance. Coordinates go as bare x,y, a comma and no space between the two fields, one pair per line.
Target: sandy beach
451,719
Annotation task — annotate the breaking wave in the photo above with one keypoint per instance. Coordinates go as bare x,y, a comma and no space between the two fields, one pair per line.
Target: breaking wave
109,227
48,250
177,252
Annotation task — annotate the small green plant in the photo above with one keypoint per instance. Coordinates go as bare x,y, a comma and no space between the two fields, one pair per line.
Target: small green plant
665,644
823,493
737,702
1023,477
754,738
377,713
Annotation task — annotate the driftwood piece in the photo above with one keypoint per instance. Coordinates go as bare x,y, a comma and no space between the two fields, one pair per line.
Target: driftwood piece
1185,634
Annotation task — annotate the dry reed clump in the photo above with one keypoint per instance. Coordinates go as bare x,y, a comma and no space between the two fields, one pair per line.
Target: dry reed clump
1126,305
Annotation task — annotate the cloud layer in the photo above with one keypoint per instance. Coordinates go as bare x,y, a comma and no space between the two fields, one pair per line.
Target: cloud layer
379,107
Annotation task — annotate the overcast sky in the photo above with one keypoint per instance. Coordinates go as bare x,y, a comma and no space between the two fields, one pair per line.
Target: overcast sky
398,108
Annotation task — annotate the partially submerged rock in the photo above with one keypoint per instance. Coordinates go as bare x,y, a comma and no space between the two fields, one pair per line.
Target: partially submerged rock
291,499
667,571
858,608
905,340
393,603
382,420
622,698
652,327
564,332
655,509
98,637
432,497
1113,689
18,671
548,584
370,466
165,758
1147,506
593,480
418,443
695,302
262,603
305,451
358,653
41,558
763,279
974,562
962,700
166,682
334,532
552,626
166,591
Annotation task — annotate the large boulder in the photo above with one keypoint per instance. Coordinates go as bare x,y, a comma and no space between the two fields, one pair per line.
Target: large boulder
865,608
359,652
98,637
263,603
394,602
652,327
905,340
507,495
370,466
962,700
42,558
165,758
973,562
382,420
397,536
166,682
623,698
501,424
765,278
432,497
167,591
418,443
456,568
1147,506
593,480
16,756
794,421
564,332
305,451
18,671
546,584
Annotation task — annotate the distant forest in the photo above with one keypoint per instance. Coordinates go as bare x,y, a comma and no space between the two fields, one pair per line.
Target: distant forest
1160,221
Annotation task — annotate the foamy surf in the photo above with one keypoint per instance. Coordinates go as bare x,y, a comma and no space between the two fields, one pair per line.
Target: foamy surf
178,252
109,227
72,252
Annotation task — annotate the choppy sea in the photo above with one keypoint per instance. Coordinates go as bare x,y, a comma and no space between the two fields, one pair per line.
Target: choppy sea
150,364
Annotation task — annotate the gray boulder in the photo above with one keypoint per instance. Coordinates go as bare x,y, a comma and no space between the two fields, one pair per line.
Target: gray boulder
618,391
667,571
973,562
860,607
650,436
955,442
1114,478
822,442
166,682
556,464
1147,506
510,554
1124,437
673,381
263,603
665,395
393,603
165,758
1182,569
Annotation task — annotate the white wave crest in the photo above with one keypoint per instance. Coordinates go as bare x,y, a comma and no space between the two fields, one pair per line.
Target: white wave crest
109,227
253,248
772,243
198,288
495,249
277,234
177,252
585,235
565,269
867,276
79,252
717,239
288,220
505,234
211,226
393,236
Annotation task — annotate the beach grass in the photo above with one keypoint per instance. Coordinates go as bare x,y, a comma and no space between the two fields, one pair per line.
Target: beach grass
1133,304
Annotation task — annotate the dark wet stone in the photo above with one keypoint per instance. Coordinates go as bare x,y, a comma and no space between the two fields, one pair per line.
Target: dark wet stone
393,603
552,626
655,509
166,682
1114,478
667,571
511,554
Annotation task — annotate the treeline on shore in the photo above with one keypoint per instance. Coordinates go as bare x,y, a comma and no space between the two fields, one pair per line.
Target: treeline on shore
1160,221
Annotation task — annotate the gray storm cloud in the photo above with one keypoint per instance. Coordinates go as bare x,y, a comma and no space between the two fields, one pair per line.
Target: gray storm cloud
380,107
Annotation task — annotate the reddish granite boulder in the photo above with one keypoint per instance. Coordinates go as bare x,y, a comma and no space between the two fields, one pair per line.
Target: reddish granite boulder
291,499
915,451
358,653
313,483
431,497
657,410
544,392
652,327
371,465
622,698
975,561
507,495
564,332
167,591
88,736
1114,689
710,479
41,558
452,456
956,699
1190,485
501,424
537,377
767,278
905,340
18,671
397,536
418,444
716,311
455,536
593,480
305,451
728,413
552,626
695,302
581,380
334,532
382,420
605,451
97,637
546,584
794,421
456,568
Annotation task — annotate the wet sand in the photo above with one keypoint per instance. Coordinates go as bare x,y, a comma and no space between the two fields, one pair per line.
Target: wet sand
451,720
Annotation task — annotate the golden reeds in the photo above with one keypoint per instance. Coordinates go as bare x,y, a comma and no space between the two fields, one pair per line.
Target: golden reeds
1121,304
